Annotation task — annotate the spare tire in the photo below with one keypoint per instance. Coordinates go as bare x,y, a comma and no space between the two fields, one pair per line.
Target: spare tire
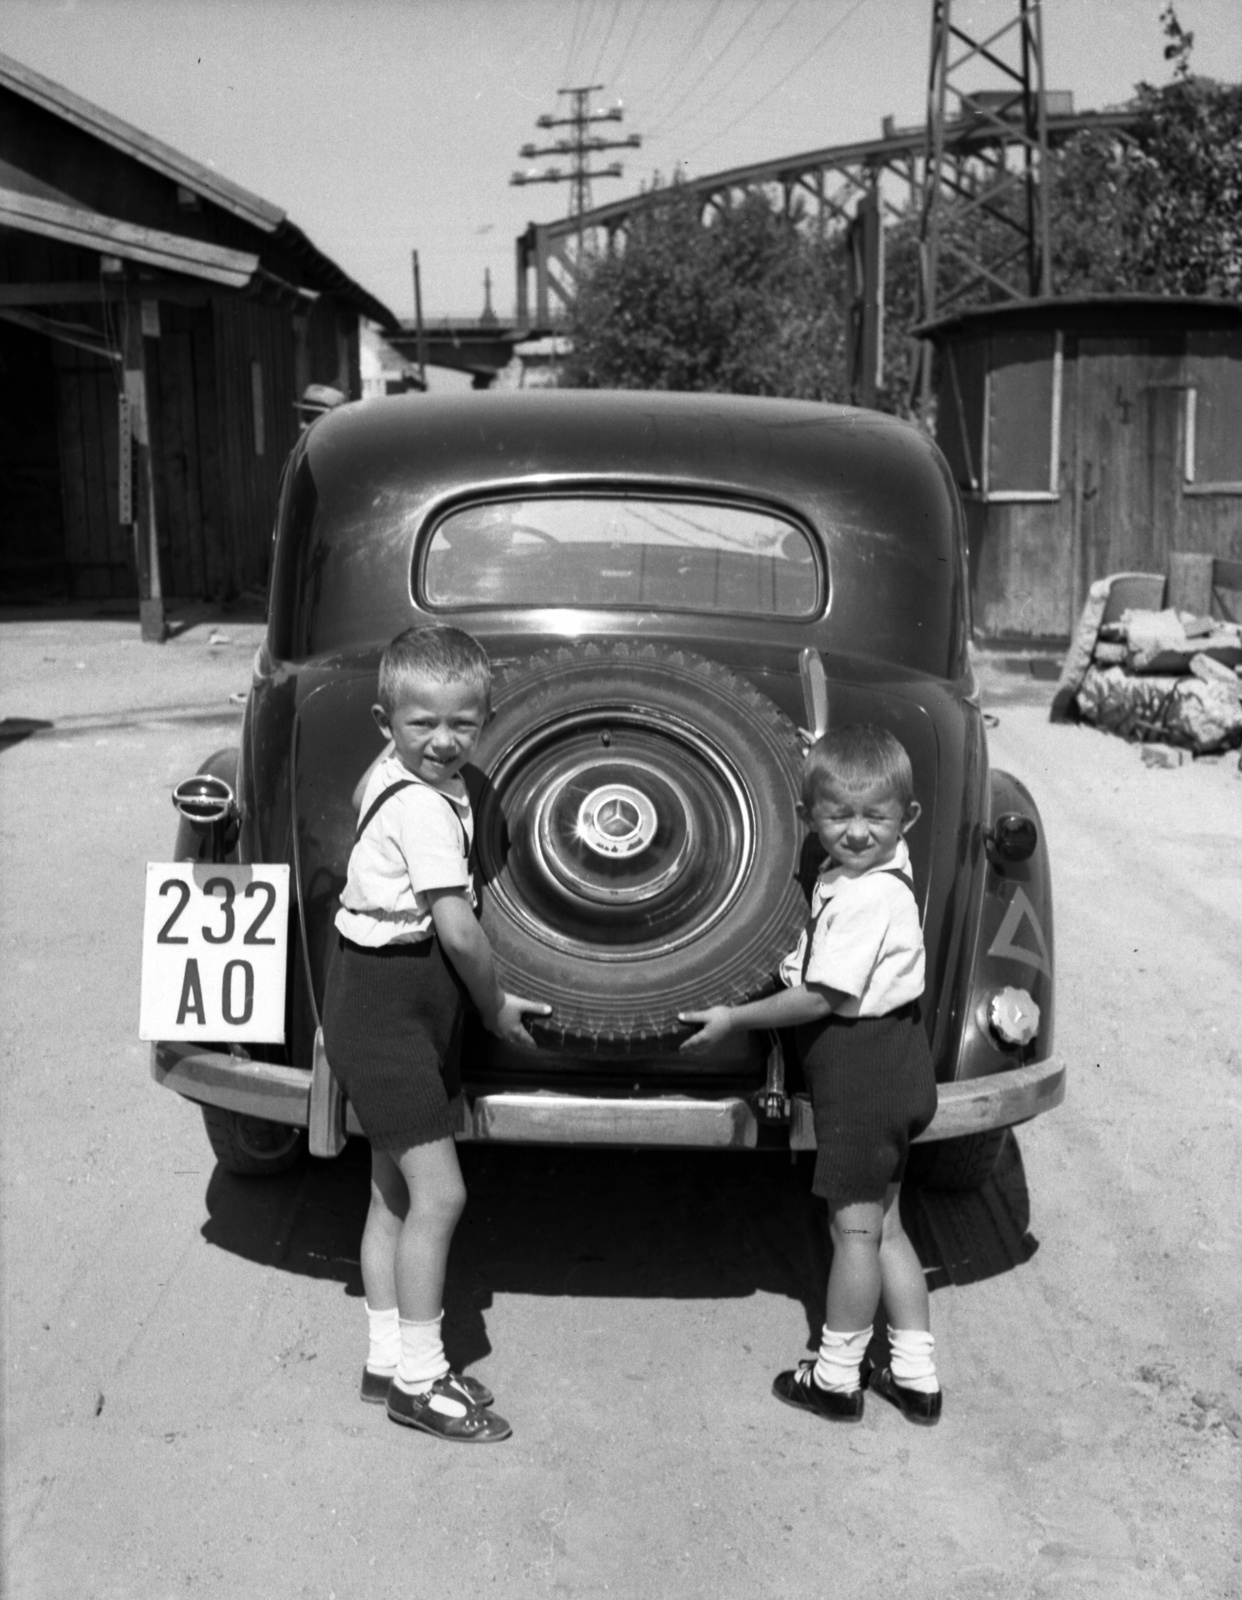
637,840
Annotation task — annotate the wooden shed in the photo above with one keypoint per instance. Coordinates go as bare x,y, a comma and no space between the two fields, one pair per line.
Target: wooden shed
157,325
1089,435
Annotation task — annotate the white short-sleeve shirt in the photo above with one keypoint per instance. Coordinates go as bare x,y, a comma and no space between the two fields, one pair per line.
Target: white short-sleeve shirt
865,940
418,840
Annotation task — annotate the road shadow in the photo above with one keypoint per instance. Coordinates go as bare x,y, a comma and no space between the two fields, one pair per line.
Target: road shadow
614,1224
980,1233
181,616
14,729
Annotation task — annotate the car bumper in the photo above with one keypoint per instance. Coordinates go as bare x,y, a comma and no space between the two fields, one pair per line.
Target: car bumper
282,1094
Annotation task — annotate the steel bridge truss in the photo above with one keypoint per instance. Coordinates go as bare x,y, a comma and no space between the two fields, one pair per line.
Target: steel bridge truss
820,190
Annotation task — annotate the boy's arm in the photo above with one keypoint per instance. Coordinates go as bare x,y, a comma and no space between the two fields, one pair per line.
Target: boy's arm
788,1008
465,944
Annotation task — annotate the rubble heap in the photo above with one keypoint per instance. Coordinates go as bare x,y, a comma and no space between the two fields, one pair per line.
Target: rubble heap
1164,676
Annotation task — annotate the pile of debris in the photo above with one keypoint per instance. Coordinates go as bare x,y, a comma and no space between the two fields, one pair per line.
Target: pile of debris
1164,677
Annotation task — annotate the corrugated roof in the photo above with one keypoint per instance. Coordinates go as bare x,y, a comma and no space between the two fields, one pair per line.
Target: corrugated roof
172,252
321,271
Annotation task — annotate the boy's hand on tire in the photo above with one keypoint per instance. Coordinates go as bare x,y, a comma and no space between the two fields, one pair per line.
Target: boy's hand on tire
716,1027
509,1024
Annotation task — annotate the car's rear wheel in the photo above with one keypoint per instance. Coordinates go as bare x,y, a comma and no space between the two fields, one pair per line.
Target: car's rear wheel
252,1147
638,840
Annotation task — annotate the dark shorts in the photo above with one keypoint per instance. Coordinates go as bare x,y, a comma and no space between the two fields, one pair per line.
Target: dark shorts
392,1031
872,1090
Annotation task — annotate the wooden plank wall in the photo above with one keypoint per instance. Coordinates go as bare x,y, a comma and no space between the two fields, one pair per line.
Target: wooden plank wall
32,531
99,554
188,497
245,333
1123,504
215,495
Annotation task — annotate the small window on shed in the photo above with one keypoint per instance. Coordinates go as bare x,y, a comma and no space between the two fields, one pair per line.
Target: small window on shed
959,427
1214,413
1022,417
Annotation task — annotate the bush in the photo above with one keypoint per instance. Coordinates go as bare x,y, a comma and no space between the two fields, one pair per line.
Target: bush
741,304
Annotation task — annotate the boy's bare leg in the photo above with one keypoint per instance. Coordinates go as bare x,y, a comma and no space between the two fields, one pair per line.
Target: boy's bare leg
437,1197
390,1200
901,1273
854,1280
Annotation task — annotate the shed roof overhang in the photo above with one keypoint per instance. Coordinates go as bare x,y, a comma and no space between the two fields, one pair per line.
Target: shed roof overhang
1087,313
322,273
90,230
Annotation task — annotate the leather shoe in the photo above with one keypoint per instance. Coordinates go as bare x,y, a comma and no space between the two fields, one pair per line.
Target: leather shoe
374,1388
467,1423
913,1404
798,1388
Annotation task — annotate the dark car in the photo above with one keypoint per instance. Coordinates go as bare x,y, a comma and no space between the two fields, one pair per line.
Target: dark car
674,590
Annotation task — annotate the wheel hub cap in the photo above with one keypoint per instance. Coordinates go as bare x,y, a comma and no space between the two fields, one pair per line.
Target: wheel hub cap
616,820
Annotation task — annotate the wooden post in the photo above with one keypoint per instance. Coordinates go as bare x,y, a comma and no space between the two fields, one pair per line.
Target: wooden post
146,544
1190,582
418,321
864,328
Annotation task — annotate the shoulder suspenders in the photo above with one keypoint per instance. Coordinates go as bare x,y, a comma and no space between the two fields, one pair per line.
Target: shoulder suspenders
395,788
885,872
386,794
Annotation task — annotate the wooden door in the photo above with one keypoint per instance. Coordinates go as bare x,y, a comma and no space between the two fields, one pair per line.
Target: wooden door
1128,480
99,553
181,365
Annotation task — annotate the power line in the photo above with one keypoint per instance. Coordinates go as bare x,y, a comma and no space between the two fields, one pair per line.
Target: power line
789,9
781,82
670,109
629,43
681,63
616,8
573,35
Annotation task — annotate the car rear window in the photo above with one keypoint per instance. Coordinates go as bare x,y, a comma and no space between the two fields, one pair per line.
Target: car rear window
623,551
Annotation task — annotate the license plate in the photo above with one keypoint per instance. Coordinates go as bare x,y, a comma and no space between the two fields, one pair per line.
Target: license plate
214,947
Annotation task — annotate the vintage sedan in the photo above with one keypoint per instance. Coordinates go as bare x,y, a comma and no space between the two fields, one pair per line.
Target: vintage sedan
675,590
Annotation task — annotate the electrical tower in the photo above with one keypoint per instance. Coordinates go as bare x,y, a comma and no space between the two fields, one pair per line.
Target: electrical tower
990,188
579,146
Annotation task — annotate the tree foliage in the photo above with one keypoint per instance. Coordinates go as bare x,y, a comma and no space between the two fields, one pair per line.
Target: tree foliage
743,303
1158,210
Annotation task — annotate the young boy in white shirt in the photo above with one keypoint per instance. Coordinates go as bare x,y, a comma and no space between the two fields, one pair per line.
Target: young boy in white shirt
852,989
409,949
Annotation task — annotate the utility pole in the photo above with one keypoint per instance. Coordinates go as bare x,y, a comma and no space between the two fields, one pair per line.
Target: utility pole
418,321
579,146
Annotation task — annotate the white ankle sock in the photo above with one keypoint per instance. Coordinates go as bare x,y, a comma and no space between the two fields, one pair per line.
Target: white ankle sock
912,1363
384,1328
422,1356
840,1357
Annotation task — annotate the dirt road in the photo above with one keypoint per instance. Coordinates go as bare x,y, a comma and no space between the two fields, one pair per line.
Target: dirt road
181,1349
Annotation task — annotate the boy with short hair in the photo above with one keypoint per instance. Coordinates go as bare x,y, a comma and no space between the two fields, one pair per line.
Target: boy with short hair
853,986
409,945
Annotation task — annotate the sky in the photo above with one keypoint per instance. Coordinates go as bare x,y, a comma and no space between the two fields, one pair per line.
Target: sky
384,126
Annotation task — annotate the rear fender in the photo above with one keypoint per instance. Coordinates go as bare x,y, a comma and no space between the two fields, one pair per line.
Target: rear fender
1013,945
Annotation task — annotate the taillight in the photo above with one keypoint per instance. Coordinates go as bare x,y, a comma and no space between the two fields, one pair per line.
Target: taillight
204,800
